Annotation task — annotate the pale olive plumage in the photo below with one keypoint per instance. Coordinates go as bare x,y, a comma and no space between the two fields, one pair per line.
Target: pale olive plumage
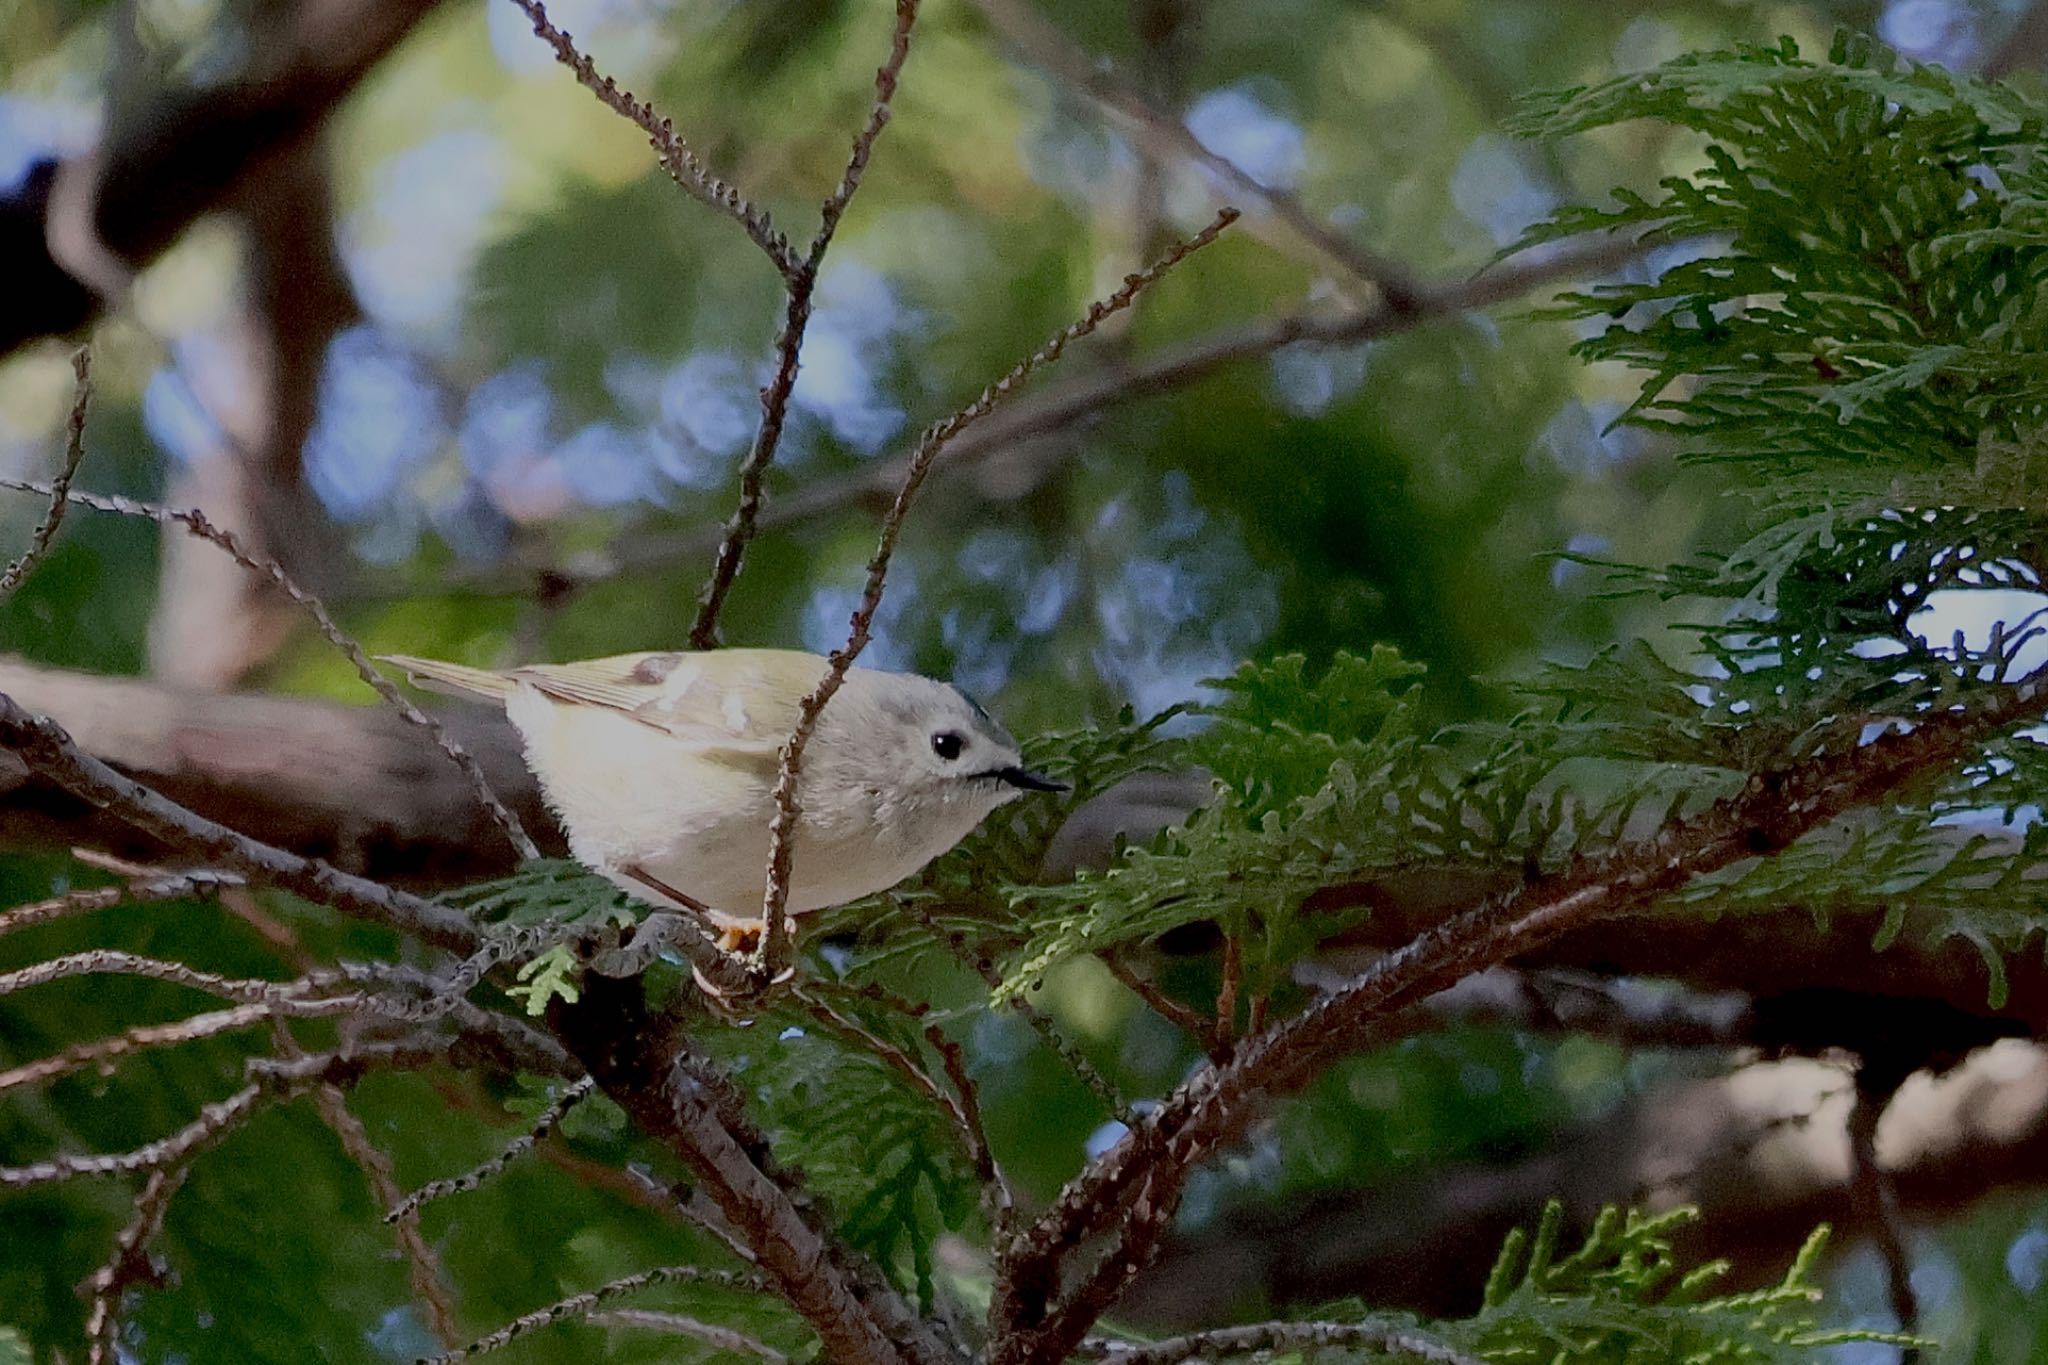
665,764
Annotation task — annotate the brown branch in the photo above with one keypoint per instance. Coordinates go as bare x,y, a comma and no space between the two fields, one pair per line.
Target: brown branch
177,887
584,1304
196,523
682,1101
677,1325
271,1080
408,1207
45,747
782,829
1399,1342
60,487
1036,39
99,1051
683,164
1183,1017
1036,1324
128,1265
800,284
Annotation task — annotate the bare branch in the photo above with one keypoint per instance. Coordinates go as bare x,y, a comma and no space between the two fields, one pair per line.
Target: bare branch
409,1206
774,935
1279,1336
1183,1017
584,1304
177,887
128,1265
102,1050
271,1080
676,1325
1146,1171
801,284
864,141
196,523
49,751
60,487
683,165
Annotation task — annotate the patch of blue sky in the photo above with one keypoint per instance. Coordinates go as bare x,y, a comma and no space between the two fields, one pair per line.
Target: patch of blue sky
624,36
1492,186
379,417
409,249
1941,31
1308,379
709,400
607,465
507,418
175,418
1973,612
1239,126
33,130
850,339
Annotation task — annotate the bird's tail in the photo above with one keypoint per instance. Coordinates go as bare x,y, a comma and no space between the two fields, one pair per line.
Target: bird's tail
456,679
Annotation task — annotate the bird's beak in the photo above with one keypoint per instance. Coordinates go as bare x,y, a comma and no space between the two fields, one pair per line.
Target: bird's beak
1023,778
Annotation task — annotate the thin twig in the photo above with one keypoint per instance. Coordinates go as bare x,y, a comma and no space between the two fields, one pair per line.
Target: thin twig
683,164
271,1080
582,1305
973,1130
774,952
1279,1336
196,523
1226,995
60,487
128,1265
677,1325
1872,1186
46,748
424,1271
800,285
99,1051
961,1112
1183,1017
175,887
1048,1032
409,1206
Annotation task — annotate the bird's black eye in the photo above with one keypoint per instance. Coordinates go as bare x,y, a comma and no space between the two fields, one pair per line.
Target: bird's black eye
947,745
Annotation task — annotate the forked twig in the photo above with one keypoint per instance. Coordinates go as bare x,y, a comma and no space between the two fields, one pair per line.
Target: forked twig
196,523
128,1265
683,164
801,285
774,953
60,487
584,1304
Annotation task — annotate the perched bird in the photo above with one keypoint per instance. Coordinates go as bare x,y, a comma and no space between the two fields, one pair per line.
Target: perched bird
662,770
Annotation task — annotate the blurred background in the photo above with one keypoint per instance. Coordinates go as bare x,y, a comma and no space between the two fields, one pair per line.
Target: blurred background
404,305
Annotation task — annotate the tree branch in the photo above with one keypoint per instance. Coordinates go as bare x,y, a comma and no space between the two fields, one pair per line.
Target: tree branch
60,488
1034,1322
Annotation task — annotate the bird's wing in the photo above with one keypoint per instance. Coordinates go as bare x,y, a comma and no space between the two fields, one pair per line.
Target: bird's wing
456,679
744,700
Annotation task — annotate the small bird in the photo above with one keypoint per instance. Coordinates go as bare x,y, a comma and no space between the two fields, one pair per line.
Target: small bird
662,770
